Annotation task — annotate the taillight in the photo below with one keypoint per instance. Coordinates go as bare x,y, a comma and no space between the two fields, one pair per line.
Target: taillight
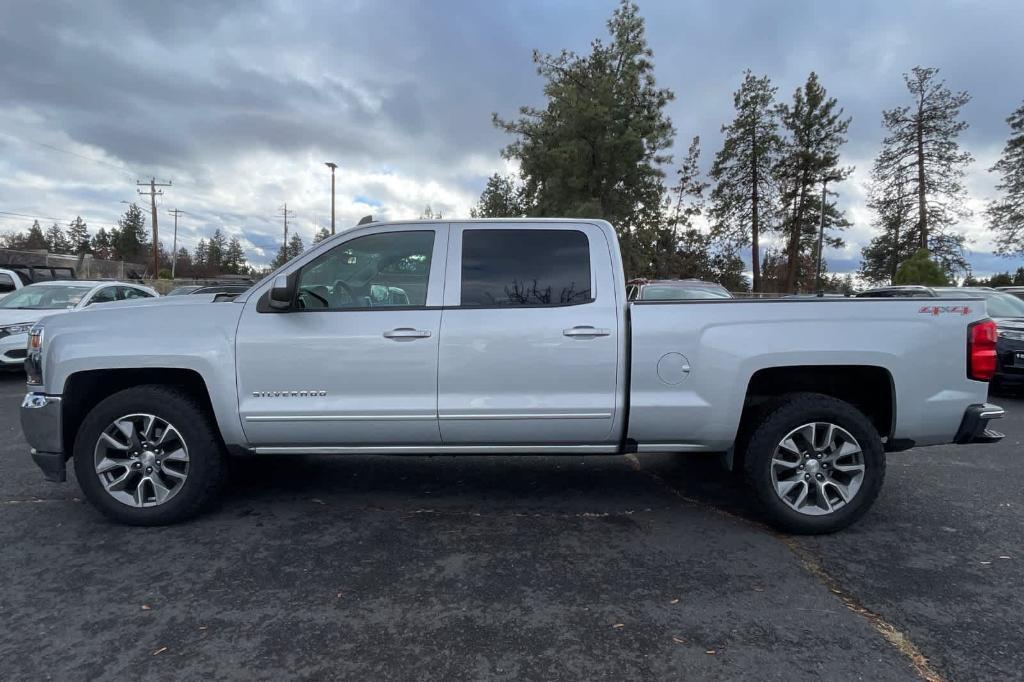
981,350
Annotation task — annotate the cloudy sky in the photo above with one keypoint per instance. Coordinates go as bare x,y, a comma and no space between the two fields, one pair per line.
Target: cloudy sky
240,102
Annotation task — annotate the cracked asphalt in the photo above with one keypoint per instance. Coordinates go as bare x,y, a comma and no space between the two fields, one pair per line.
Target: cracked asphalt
514,568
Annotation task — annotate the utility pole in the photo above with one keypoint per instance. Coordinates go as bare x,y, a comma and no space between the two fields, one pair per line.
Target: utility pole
174,250
333,166
285,213
153,192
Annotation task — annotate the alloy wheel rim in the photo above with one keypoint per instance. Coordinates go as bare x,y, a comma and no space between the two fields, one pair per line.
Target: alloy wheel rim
141,460
817,468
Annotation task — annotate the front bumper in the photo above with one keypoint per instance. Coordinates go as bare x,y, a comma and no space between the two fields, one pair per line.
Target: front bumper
41,424
13,350
974,426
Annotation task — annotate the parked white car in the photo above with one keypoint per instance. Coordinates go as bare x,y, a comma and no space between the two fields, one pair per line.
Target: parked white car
27,305
9,282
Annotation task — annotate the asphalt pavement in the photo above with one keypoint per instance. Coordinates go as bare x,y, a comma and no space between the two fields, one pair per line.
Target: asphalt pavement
647,567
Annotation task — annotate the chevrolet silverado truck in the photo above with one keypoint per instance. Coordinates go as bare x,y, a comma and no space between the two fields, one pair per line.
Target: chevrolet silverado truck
499,337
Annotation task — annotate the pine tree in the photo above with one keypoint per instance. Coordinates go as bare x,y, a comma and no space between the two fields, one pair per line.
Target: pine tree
501,198
129,241
216,251
1006,214
234,257
200,257
56,242
102,246
597,147
35,238
921,269
183,264
743,201
295,246
322,234
817,130
917,179
78,236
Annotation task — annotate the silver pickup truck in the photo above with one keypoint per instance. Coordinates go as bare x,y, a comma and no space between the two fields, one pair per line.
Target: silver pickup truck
501,337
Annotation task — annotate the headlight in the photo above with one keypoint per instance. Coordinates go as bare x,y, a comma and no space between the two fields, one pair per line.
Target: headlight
34,357
1011,334
12,329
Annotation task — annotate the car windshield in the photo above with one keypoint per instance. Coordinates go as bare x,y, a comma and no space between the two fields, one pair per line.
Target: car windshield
181,291
45,297
1003,305
675,292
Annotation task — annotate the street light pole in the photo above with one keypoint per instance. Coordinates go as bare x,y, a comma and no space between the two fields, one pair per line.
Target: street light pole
333,166
174,249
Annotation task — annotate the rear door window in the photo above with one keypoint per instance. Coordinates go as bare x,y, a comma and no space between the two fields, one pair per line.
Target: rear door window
507,268
6,283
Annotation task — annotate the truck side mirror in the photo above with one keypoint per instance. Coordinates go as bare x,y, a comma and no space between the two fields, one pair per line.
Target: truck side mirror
282,292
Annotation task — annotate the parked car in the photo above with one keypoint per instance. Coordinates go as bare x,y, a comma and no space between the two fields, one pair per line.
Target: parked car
510,337
673,290
26,306
209,289
10,281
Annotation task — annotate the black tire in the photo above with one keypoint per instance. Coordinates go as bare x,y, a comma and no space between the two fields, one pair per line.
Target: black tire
206,466
788,413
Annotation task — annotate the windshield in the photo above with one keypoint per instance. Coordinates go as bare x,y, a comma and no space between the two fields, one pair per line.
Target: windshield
675,292
45,297
1003,305
998,303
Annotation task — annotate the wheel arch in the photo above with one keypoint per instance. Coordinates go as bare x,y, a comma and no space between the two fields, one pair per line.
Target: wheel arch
84,389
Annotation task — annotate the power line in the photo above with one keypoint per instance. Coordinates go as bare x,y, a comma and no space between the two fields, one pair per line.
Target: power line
71,153
35,217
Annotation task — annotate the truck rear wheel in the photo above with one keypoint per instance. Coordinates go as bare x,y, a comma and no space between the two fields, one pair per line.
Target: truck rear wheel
149,456
815,463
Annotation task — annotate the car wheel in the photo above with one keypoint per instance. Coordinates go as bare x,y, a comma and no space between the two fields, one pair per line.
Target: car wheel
148,456
815,463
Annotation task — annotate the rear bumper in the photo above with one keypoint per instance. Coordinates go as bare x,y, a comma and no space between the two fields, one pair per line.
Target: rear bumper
974,426
41,424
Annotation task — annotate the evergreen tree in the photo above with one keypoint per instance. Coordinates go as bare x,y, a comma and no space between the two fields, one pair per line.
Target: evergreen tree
183,264
743,201
1000,279
234,258
596,148
295,246
102,246
129,241
56,242
35,238
810,157
917,186
921,269
200,259
1018,277
1006,214
216,251
322,234
501,198
78,236
430,214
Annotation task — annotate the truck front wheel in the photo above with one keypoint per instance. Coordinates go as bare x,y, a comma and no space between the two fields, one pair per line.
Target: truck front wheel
149,456
815,463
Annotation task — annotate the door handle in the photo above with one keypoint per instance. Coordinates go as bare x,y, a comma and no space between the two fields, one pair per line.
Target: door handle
586,331
407,333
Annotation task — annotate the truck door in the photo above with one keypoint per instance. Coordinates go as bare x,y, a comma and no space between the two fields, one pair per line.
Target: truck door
529,336
355,362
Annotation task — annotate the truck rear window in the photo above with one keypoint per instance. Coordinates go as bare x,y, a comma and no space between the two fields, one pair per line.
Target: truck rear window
525,268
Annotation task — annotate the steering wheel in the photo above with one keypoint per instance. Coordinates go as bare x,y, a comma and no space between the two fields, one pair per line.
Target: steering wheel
349,291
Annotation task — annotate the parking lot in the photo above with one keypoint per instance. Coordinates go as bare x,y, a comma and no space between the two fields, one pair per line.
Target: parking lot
516,567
